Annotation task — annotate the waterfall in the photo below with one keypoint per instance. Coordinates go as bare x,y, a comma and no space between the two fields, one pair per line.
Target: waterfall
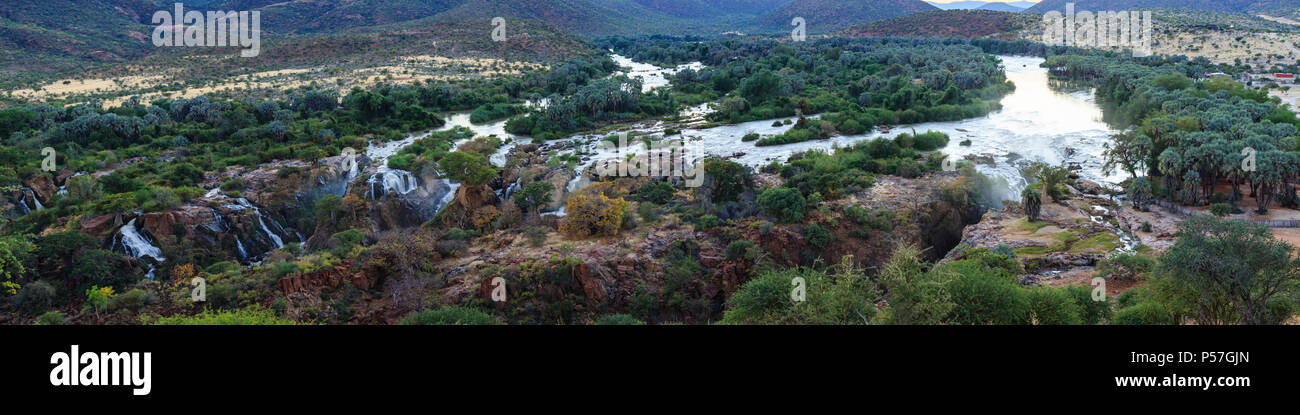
35,202
387,180
514,188
558,213
239,244
136,244
448,197
275,239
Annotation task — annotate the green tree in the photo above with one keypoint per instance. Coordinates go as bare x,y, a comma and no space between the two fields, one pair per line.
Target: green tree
467,168
14,254
1050,176
1230,262
534,195
1129,151
786,204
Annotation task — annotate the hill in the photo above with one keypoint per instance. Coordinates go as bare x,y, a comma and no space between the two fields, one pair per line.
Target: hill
959,5
68,34
1227,6
1001,7
947,23
832,15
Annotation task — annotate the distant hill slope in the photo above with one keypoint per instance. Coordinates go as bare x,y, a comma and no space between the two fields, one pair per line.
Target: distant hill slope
65,34
1227,6
832,15
959,5
947,23
1001,7
333,16
589,17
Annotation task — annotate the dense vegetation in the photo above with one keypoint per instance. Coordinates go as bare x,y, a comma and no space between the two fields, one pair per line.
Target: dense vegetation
1191,134
865,82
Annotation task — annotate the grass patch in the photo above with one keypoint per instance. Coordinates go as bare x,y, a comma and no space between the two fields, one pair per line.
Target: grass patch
1066,237
1031,227
1031,251
1098,244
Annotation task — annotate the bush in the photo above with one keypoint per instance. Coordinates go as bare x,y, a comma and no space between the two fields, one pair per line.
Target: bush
593,214
739,249
1221,209
843,295
984,296
619,320
134,299
449,316
1090,312
536,236
658,192
251,316
706,222
817,235
1053,306
649,212
35,296
786,204
1125,267
52,318
1143,314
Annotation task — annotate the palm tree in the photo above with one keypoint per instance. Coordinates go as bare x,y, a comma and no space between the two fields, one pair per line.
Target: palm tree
1033,202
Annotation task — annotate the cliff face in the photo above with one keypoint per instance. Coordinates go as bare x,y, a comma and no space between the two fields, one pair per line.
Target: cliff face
1066,242
684,274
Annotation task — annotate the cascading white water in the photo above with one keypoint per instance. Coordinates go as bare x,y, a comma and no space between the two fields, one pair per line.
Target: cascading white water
386,180
136,245
35,202
449,196
244,204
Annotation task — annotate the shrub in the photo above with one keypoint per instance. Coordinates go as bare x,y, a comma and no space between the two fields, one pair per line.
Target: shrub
593,214
657,192
35,296
536,236
706,222
739,249
1053,306
1090,311
619,320
134,299
1125,267
786,204
1221,209
1143,314
254,315
915,295
817,235
449,316
984,296
842,295
649,212
51,318
728,180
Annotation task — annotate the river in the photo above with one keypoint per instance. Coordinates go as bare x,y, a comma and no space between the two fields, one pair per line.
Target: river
1036,123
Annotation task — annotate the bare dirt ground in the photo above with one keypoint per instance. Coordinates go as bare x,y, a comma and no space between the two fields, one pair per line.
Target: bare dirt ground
147,87
1259,48
1282,20
1083,276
